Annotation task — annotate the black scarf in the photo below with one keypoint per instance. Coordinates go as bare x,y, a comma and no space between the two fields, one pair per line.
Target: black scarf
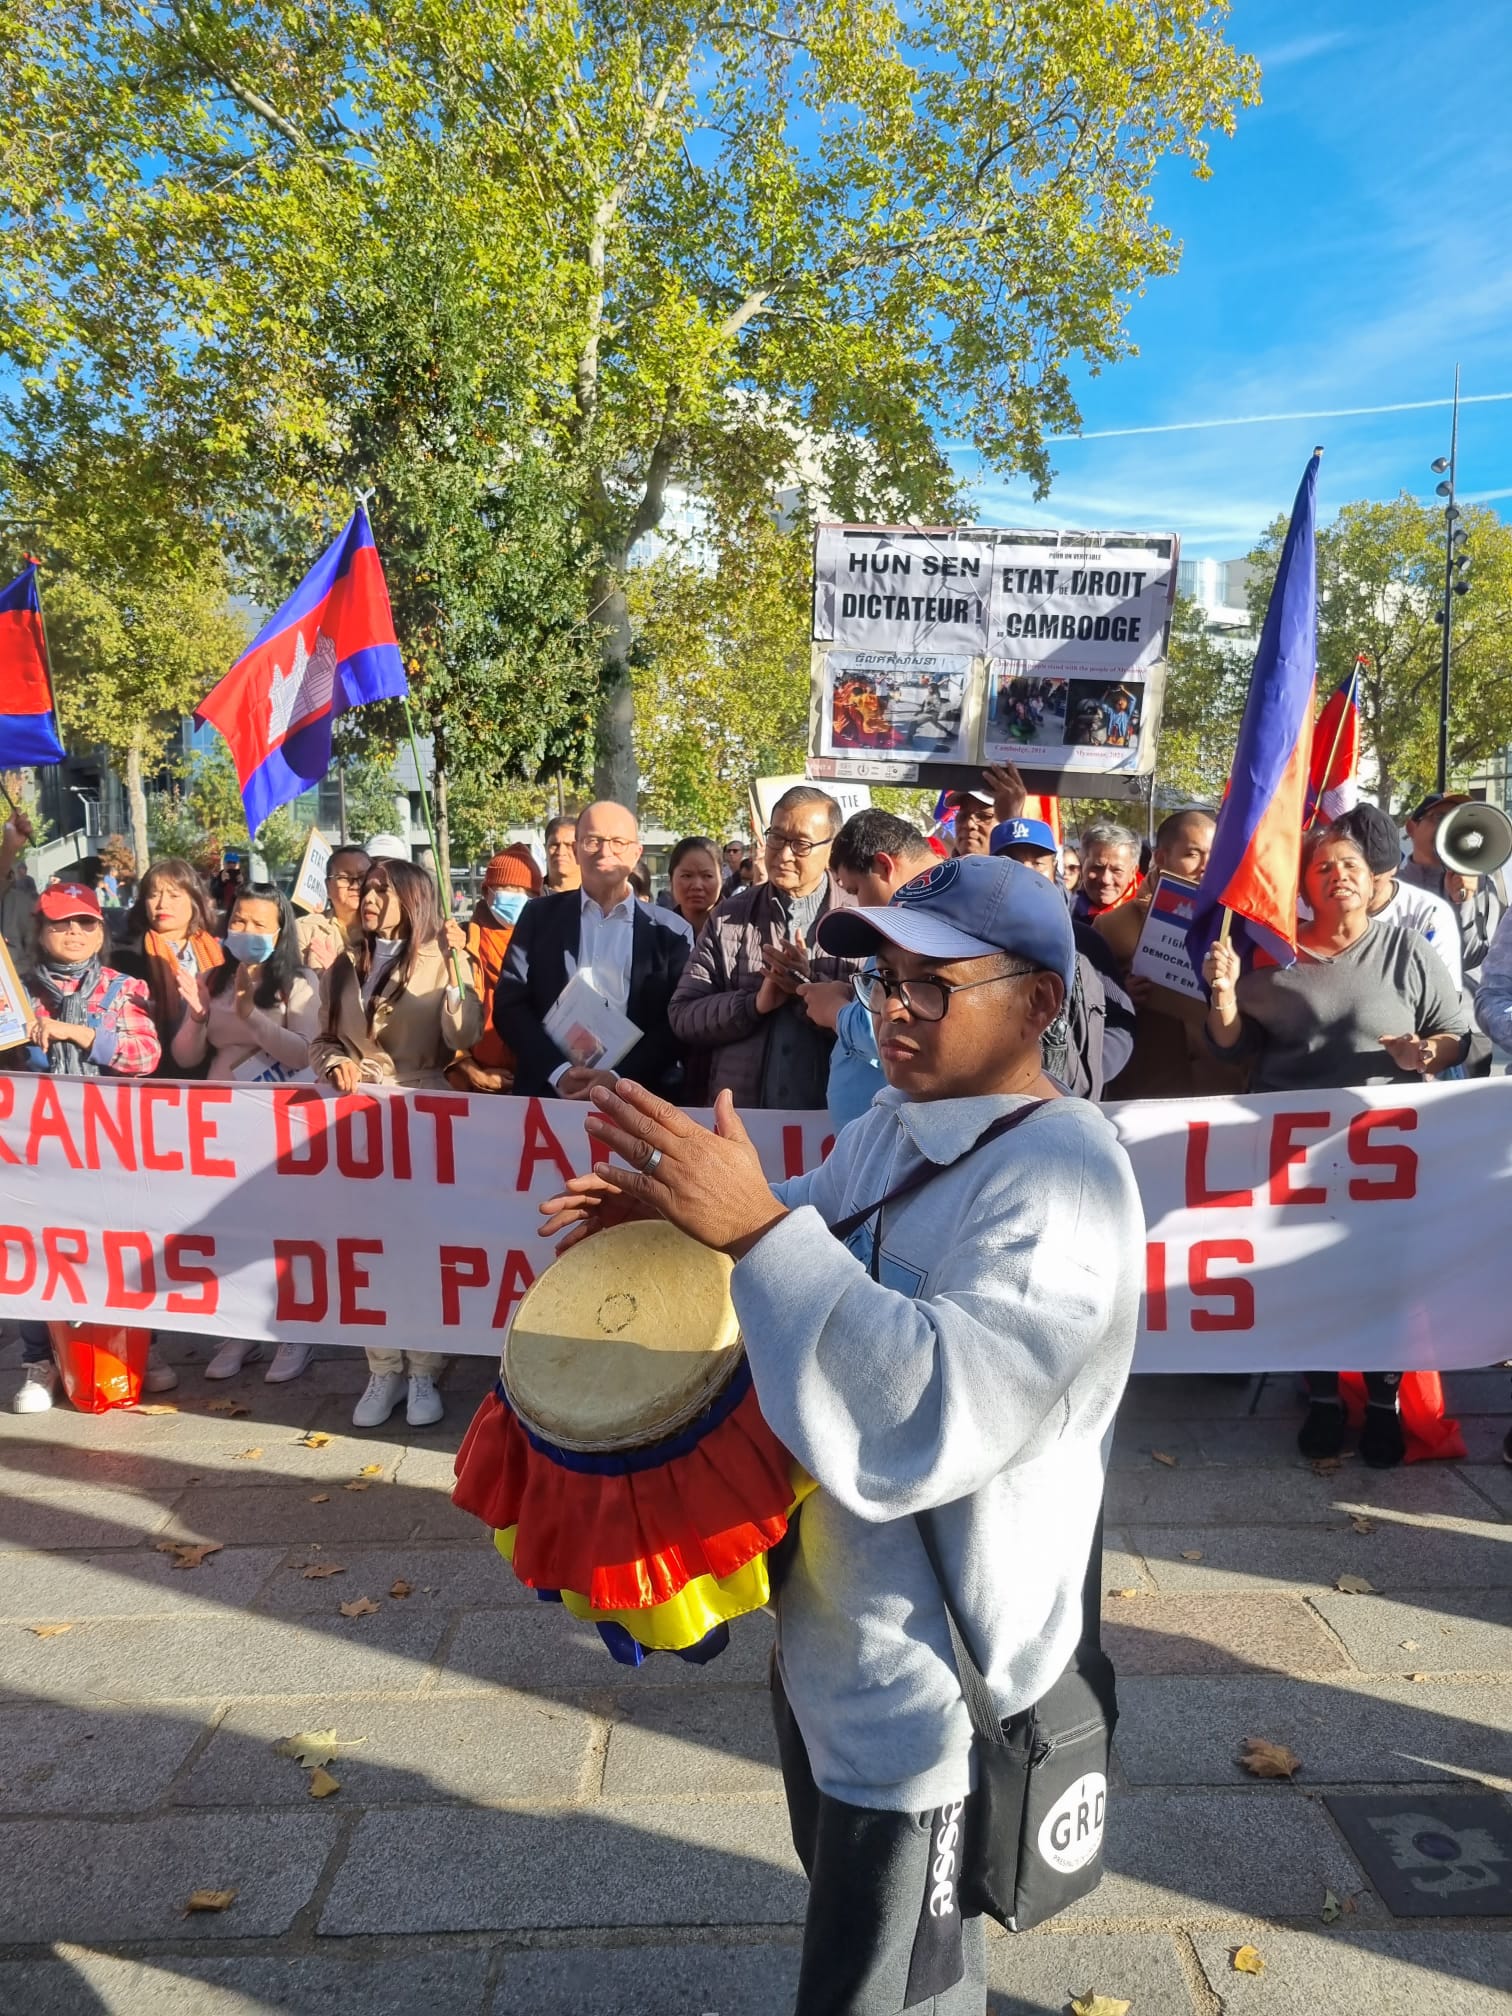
62,988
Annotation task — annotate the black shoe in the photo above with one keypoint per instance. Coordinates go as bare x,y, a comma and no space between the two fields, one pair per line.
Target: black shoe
1382,1443
1322,1433
1507,1448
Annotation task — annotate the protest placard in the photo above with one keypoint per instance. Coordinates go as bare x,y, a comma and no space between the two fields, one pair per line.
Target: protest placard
309,891
1161,955
16,1014
938,651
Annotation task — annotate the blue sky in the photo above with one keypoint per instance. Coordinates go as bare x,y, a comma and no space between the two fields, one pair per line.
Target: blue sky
1355,239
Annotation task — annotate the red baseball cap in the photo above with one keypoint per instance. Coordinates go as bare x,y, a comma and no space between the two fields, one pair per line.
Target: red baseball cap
69,899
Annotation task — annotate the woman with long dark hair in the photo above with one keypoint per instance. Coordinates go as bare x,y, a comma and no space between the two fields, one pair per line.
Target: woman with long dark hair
392,1014
172,933
253,1018
88,1021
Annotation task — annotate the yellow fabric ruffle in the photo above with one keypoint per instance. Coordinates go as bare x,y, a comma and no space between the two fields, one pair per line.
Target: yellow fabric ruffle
698,1608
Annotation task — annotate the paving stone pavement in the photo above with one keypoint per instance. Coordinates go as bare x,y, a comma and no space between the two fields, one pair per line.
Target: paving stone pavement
525,1829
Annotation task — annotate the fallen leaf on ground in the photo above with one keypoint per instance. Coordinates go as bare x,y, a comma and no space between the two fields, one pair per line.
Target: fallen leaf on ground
1419,1677
248,1456
1355,1585
1330,1909
232,1407
322,1784
316,1439
209,1900
357,1484
321,1498
1245,1960
1192,1554
189,1553
1160,1456
1409,1644
317,1570
1325,1466
1268,1760
311,1746
154,1407
371,1470
1360,1523
402,1589
48,1630
363,1606
1125,1592
1093,2004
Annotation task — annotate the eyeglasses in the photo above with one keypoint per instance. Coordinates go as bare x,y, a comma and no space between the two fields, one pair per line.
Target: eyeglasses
597,843
925,1000
344,881
797,845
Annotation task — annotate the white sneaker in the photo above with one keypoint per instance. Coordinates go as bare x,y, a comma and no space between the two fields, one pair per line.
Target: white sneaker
380,1398
425,1403
160,1378
230,1358
35,1393
289,1360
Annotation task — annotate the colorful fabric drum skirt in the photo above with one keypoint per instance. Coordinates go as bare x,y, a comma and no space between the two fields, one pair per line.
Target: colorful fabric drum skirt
659,1546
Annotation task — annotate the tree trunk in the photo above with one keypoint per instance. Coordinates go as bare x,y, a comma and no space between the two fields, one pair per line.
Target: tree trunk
136,805
615,774
443,831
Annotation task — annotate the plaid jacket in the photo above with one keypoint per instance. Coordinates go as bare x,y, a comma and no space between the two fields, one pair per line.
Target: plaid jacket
126,1038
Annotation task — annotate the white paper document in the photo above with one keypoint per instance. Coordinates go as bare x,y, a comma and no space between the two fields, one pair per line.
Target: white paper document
586,1027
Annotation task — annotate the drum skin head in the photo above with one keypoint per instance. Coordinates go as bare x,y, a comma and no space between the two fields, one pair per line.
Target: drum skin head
623,1340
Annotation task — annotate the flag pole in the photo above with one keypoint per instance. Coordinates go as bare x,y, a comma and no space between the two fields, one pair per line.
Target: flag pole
430,830
1351,699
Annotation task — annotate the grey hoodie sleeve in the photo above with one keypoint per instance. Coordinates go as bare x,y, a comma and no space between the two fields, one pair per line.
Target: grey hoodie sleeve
895,1404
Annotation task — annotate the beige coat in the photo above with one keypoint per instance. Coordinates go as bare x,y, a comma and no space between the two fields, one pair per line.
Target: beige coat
324,927
283,1032
408,1034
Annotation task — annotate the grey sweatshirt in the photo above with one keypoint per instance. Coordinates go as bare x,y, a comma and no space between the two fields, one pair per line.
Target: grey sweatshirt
979,1375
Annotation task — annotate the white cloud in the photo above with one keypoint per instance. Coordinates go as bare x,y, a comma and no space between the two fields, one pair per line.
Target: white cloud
1305,49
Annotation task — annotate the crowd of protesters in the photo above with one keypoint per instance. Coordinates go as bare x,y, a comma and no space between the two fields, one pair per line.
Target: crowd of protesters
1404,973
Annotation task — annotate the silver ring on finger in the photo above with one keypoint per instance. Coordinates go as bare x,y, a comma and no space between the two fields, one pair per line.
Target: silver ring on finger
652,1163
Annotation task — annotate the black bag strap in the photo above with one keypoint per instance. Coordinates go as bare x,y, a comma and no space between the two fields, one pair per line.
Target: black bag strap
980,1706
927,1171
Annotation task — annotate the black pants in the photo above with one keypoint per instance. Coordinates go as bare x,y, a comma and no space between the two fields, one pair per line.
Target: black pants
883,1932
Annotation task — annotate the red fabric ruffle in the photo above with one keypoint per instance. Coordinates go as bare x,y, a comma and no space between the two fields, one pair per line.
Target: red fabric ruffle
1430,1434
627,1540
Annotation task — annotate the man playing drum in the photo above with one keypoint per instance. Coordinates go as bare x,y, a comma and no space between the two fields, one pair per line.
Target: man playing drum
963,1362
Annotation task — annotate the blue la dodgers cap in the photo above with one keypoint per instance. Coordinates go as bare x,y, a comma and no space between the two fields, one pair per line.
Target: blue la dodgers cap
964,908
1037,833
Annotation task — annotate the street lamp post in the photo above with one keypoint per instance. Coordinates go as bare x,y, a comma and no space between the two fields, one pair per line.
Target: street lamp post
1456,578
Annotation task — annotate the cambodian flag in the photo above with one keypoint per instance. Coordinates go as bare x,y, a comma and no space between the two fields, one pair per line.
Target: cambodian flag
330,647
1333,787
28,717
1255,864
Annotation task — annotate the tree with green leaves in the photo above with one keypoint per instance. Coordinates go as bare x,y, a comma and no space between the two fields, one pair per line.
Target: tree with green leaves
1207,682
1380,586
745,251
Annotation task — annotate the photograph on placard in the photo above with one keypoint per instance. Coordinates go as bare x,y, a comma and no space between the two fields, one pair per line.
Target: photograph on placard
1100,715
880,704
16,1011
1022,714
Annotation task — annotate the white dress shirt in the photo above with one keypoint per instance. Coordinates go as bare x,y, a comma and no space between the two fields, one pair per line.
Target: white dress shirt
605,944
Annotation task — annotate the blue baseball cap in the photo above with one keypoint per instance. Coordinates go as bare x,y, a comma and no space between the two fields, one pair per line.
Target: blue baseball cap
1036,833
964,908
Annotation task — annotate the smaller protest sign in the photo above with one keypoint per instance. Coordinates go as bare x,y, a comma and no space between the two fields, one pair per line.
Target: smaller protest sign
16,1013
765,791
1161,954
309,891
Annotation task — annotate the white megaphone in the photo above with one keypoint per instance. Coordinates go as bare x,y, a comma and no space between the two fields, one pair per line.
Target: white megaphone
1474,838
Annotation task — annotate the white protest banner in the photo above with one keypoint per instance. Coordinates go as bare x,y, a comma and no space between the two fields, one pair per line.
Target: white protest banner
1359,1229
309,891
1161,954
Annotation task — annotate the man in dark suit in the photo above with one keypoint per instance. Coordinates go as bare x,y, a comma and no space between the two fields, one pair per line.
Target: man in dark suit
635,954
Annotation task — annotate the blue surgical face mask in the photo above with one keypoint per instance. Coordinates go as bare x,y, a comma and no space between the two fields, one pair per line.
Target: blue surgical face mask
250,948
506,904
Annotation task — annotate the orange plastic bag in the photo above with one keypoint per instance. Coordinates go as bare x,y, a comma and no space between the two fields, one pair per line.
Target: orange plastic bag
103,1366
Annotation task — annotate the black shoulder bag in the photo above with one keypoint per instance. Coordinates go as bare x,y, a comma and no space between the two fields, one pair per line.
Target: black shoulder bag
1034,1824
